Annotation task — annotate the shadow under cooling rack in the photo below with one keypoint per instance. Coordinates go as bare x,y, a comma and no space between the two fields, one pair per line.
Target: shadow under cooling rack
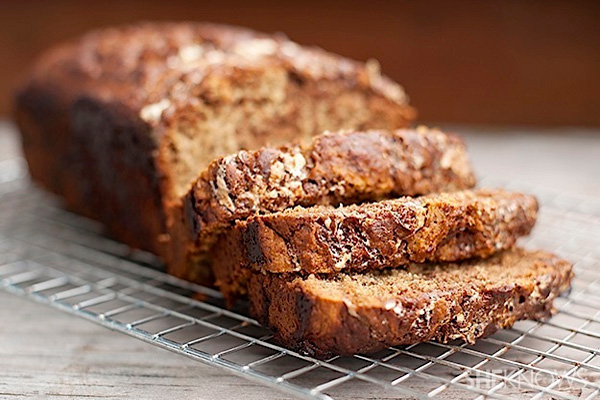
58,258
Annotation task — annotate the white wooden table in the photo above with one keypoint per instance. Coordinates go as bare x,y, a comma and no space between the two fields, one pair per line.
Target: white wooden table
48,354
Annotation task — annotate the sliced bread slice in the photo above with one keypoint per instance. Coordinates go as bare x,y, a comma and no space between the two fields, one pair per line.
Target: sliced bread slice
366,312
334,168
391,233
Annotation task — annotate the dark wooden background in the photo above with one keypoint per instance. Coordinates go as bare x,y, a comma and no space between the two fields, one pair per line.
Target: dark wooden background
492,62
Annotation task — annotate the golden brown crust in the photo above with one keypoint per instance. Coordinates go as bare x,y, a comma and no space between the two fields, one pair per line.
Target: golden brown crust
391,233
335,168
129,104
362,313
142,64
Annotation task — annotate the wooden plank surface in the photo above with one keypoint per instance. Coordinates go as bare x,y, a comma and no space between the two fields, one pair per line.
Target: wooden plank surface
48,354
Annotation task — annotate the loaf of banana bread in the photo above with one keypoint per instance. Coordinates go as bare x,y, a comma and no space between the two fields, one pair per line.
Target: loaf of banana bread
390,233
365,312
120,121
335,168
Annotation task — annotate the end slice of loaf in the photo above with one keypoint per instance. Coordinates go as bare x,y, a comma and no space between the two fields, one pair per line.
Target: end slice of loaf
442,227
334,168
362,313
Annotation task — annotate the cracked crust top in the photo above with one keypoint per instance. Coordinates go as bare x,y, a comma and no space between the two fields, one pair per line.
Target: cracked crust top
155,68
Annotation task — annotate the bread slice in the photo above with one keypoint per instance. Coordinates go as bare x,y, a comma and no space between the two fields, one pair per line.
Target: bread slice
334,168
366,312
120,121
391,233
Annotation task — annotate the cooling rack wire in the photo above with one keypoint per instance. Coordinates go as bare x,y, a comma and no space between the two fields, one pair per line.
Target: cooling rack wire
54,257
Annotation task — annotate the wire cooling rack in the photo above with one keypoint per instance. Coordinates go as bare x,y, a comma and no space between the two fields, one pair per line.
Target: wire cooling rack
58,258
